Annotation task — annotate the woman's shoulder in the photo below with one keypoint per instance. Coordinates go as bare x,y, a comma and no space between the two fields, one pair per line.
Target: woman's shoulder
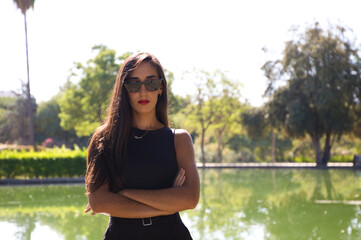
182,136
180,131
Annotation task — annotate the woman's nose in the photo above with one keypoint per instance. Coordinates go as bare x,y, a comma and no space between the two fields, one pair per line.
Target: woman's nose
142,89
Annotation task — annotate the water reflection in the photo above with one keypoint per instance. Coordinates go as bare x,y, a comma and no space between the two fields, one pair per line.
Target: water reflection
58,207
280,204
234,204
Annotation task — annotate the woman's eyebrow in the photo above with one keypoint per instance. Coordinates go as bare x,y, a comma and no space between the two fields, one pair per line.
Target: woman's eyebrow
136,78
151,76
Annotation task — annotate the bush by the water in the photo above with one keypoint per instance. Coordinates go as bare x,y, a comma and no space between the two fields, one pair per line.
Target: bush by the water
336,158
54,162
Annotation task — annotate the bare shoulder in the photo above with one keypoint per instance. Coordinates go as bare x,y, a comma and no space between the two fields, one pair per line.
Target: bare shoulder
184,149
182,137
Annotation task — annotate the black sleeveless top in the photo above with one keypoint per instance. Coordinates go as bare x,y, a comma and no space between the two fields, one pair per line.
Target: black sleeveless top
150,164
151,161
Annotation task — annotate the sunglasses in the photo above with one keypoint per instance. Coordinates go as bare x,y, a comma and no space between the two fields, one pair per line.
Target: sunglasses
151,85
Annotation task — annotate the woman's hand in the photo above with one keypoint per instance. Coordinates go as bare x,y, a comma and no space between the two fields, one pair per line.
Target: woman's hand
89,208
180,178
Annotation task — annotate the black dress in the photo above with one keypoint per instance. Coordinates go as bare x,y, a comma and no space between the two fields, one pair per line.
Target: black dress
150,164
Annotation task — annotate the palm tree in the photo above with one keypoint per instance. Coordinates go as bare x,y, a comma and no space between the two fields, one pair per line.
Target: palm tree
24,5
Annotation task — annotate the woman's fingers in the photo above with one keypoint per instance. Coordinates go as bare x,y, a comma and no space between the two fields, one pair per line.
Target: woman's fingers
175,182
89,208
180,178
183,179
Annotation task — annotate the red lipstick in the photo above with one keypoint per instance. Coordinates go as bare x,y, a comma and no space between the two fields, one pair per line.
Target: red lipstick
143,102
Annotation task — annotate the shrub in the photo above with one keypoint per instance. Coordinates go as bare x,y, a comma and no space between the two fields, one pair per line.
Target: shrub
341,158
55,162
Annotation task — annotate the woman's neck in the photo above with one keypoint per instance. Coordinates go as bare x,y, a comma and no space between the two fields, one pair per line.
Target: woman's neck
146,121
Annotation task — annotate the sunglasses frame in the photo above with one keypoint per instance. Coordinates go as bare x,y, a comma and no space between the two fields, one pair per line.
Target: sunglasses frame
139,85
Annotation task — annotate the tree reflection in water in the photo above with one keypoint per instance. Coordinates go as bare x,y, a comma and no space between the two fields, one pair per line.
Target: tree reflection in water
58,207
234,204
285,202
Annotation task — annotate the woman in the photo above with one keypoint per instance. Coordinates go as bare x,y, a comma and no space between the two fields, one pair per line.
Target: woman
139,171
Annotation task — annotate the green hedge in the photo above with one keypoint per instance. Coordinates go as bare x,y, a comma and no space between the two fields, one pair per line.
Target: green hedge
63,162
342,158
56,162
336,158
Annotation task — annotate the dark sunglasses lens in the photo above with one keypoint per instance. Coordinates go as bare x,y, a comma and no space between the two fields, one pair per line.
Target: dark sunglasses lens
133,87
150,85
153,85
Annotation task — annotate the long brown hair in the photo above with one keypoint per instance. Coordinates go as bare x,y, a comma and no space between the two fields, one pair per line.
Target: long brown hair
107,147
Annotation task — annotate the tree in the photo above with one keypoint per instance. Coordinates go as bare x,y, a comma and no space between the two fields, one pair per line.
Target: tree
254,120
227,109
216,107
47,125
83,105
322,74
9,132
200,114
24,5
14,117
259,129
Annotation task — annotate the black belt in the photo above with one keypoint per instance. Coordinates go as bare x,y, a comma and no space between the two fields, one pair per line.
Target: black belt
147,221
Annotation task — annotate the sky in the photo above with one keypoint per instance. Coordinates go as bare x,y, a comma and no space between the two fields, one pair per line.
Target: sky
184,35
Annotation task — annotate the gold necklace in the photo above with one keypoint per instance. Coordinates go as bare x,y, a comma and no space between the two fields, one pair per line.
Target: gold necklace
140,137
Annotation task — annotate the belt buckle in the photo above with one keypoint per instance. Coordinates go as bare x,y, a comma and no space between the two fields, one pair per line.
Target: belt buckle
147,224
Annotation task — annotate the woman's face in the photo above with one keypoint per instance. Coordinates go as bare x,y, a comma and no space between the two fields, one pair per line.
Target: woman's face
144,101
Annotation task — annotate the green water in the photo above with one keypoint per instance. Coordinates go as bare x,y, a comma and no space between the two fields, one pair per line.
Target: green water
234,204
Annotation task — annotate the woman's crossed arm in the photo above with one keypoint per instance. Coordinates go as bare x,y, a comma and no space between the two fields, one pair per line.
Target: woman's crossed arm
137,203
179,198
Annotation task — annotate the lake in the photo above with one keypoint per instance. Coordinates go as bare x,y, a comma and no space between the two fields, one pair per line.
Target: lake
234,204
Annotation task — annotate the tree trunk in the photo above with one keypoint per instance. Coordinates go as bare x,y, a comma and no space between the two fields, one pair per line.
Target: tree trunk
220,145
30,105
316,144
327,150
273,146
